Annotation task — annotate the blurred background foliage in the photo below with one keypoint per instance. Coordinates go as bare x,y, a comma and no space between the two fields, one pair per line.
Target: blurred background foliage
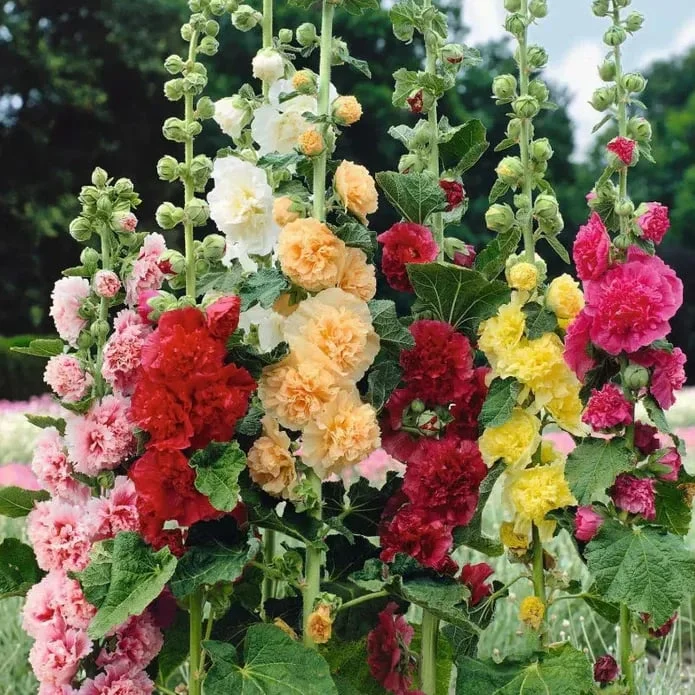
81,85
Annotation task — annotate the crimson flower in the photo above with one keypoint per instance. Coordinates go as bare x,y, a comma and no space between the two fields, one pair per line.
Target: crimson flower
405,242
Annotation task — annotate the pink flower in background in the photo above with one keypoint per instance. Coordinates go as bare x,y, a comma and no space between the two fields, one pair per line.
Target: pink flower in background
66,377
577,343
18,475
122,351
52,468
48,689
607,408
146,273
623,148
138,641
68,295
116,512
635,495
56,657
106,283
632,304
116,681
102,438
668,374
591,250
655,222
377,466
673,460
59,535
587,522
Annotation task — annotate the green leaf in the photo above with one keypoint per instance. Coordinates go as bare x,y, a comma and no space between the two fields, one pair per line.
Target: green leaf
123,577
393,335
358,7
16,502
539,320
226,281
19,570
459,296
649,571
273,664
594,465
356,235
505,144
563,670
499,188
262,287
209,564
383,379
492,259
500,402
44,421
217,470
673,511
250,424
349,668
404,17
464,147
42,347
249,357
472,534
414,196
656,414
559,249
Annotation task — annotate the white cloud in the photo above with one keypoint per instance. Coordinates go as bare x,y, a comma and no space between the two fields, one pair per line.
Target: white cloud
684,40
485,20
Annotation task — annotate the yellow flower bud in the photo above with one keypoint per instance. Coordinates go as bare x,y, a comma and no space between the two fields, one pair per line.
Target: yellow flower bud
517,542
532,611
523,276
320,624
311,143
347,110
304,82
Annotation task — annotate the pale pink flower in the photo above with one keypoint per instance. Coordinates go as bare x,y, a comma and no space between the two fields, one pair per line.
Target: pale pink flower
66,376
56,657
128,223
106,283
52,468
607,408
49,689
655,222
146,273
59,535
18,475
122,351
116,681
116,512
68,295
138,641
377,466
102,438
587,522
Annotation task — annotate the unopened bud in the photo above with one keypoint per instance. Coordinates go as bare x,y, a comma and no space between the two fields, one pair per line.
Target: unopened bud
201,170
212,28
187,32
174,64
546,207
205,108
538,8
452,53
175,129
99,177
104,204
124,222
347,110
510,170
504,87
515,24
197,212
123,187
174,261
539,91
304,81
168,168
634,82
201,266
622,242
600,7
552,227
285,35
80,229
268,65
615,36
526,106
245,18
603,98
306,34
89,259
208,46
311,143
168,215
514,129
214,247
639,129
635,377
634,22
512,5
541,150
499,218
625,208
537,57
173,89
607,70
99,330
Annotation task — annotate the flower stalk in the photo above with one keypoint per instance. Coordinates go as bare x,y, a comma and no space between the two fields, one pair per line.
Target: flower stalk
99,381
428,653
267,29
195,675
626,663
538,568
312,568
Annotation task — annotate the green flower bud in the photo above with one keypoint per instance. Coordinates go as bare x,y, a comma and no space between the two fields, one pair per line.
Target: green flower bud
499,218
625,208
504,87
539,167
99,330
635,377
634,82
168,168
104,204
541,150
246,18
99,177
537,57
80,229
607,70
174,64
538,8
639,129
212,28
201,170
194,129
194,83
510,170
546,207
515,24
417,406
452,54
539,91
634,22
201,266
85,340
306,34
197,212
552,227
601,7
88,195
208,46
175,259
622,242
514,129
622,3
197,21
512,5
123,187
89,259
173,89
615,36
412,162
168,215
285,35
205,108
526,106
217,7
175,129
187,32
195,5
603,98
213,247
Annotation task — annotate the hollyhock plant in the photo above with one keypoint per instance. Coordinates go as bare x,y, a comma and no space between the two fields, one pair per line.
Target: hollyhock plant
655,222
67,378
146,273
454,192
607,408
646,438
672,459
56,657
123,350
591,251
577,343
587,522
52,468
68,295
403,243
635,495
668,373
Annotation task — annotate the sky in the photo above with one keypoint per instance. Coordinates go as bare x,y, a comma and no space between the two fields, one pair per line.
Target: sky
572,36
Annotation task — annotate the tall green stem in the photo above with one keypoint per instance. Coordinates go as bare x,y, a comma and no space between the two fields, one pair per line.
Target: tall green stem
538,568
431,51
525,142
626,664
622,115
326,51
268,554
267,34
428,653
312,567
189,190
195,675
103,313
